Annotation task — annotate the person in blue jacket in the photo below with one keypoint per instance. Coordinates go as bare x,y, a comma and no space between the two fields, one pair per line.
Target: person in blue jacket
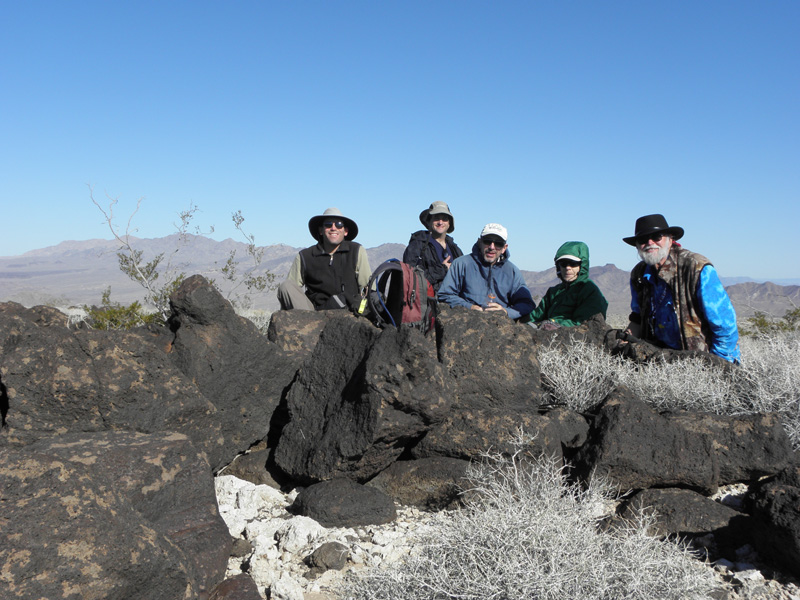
486,280
677,299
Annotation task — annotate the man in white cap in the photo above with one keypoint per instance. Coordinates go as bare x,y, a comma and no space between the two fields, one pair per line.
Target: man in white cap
486,280
333,272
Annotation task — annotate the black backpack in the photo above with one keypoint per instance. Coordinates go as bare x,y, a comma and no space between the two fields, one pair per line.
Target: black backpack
399,294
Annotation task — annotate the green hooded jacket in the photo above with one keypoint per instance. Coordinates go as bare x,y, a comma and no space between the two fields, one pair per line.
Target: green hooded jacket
570,304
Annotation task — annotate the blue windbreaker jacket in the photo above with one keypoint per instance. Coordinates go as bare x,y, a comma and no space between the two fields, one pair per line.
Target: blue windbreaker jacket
470,280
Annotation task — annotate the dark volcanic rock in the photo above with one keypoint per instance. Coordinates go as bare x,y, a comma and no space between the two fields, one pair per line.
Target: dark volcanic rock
239,370
330,555
167,481
637,448
49,380
67,533
58,380
298,331
362,397
687,514
344,503
490,358
747,447
468,434
573,427
433,483
776,509
240,587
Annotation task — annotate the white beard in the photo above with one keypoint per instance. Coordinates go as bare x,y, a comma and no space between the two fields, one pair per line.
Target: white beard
651,258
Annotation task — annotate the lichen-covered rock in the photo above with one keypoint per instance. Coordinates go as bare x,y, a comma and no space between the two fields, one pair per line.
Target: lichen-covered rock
66,533
236,368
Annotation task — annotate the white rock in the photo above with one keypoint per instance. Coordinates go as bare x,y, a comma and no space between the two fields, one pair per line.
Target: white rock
285,588
227,487
298,533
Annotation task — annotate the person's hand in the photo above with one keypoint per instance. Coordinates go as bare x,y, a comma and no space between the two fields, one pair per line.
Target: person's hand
495,306
446,261
476,307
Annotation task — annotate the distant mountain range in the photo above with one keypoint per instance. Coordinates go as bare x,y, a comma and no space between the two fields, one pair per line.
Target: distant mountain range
77,273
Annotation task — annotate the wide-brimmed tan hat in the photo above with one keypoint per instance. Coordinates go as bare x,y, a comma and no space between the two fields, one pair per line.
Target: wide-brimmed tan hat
650,224
437,208
332,214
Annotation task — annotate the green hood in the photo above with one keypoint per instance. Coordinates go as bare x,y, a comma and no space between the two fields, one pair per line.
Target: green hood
579,250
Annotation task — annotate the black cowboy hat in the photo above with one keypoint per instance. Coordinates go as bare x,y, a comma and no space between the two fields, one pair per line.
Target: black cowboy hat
650,224
332,214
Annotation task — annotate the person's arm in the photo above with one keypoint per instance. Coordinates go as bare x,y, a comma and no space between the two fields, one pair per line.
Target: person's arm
451,287
720,315
634,327
539,313
296,272
520,303
413,252
363,272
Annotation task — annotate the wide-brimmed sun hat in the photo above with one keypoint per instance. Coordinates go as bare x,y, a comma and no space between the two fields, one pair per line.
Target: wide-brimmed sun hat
437,208
650,224
332,214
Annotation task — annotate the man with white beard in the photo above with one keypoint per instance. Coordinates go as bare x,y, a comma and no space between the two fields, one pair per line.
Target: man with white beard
677,299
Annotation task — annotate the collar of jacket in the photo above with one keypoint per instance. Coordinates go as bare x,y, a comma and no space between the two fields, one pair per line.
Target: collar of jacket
319,250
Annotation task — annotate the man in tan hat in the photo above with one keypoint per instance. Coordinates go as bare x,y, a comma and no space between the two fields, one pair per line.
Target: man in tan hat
677,299
432,249
333,272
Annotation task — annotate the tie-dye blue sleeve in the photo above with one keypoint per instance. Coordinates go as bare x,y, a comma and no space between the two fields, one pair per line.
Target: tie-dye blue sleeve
721,317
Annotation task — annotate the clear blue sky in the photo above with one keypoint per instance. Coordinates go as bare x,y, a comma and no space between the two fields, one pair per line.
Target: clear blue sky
560,119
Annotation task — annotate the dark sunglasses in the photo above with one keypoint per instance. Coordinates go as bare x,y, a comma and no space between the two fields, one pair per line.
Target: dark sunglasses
331,224
440,217
568,263
656,237
498,243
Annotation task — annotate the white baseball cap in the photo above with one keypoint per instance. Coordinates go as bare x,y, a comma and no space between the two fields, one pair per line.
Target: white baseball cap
495,229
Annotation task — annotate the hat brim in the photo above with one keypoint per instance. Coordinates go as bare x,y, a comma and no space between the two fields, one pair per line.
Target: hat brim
675,232
314,223
425,214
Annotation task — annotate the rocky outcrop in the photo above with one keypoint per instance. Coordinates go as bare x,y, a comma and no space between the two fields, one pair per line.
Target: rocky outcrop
114,437
637,448
362,396
107,514
776,510
231,363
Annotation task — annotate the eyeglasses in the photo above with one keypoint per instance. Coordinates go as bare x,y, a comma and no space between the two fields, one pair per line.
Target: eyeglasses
440,218
655,237
332,224
565,262
498,243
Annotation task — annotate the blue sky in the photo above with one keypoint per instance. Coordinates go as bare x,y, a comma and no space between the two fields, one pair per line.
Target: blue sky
561,120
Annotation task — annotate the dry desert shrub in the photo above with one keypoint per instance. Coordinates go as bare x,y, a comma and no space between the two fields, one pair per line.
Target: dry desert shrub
580,375
528,534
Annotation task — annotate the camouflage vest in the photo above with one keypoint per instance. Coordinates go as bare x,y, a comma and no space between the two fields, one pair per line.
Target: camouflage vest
681,273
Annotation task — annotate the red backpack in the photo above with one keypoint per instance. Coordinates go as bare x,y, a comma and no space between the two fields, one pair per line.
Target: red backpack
400,295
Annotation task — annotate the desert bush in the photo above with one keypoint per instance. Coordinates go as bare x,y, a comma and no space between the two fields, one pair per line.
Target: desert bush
160,276
768,380
691,384
526,533
763,323
113,315
259,318
578,375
